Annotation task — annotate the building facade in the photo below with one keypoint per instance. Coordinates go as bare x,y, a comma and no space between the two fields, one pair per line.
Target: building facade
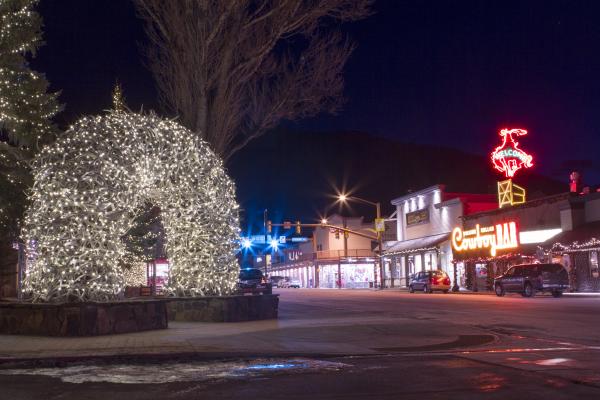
424,222
332,259
563,228
487,243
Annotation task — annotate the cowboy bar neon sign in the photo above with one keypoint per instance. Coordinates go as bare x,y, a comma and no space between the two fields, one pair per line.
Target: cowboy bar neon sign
508,158
497,237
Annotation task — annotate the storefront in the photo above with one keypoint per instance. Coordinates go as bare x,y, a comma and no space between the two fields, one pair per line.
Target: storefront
423,254
349,274
487,251
329,273
302,271
424,223
578,251
563,228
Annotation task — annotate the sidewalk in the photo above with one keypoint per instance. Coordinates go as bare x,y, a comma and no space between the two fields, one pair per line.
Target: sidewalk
319,328
289,336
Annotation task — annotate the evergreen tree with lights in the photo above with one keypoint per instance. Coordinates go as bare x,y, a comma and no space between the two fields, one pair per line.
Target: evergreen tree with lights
26,108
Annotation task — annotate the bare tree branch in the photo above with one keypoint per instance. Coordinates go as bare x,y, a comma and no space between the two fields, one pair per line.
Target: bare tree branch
233,69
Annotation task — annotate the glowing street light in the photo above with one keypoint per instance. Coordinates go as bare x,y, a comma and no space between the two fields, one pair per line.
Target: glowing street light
324,221
342,198
275,244
246,243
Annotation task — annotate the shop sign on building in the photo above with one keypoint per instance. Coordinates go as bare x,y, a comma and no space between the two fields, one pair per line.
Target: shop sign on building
508,158
294,255
496,237
417,217
379,225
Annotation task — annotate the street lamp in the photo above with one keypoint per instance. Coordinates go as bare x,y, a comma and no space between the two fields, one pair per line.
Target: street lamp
343,198
274,244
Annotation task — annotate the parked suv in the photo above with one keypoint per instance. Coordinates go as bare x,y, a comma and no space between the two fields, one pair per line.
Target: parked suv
528,279
428,281
253,281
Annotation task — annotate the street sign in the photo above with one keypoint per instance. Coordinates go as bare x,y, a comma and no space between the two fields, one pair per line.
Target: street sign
379,225
282,239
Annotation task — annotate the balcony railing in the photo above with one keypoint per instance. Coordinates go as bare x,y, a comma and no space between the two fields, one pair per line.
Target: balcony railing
330,254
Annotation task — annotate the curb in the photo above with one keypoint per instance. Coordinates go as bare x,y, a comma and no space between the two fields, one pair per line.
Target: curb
491,293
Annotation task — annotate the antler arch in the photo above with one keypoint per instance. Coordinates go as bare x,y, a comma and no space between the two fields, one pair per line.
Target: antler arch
90,185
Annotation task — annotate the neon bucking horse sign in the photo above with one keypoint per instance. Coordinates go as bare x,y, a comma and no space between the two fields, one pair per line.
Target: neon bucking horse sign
508,158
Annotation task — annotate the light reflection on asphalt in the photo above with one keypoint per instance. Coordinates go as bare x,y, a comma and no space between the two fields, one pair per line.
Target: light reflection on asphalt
180,372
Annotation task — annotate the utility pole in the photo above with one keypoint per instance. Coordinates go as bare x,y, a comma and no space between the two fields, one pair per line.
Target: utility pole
379,238
380,246
345,225
265,244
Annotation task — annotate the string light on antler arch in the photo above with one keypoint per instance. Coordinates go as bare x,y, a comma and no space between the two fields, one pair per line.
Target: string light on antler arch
92,183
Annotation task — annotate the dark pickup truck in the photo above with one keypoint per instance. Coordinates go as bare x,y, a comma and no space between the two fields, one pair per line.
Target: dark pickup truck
528,279
253,281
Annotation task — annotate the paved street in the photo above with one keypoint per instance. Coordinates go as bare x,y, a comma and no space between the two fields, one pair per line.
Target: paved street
335,344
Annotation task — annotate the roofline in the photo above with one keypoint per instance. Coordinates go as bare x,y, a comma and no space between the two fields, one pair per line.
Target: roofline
398,200
450,202
530,203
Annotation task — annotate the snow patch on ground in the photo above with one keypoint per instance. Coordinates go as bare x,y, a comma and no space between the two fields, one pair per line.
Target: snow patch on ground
180,372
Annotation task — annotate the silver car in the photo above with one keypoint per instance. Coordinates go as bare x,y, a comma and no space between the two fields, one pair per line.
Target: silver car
429,281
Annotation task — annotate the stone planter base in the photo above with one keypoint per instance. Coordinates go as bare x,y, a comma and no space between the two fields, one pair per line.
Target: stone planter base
223,308
82,319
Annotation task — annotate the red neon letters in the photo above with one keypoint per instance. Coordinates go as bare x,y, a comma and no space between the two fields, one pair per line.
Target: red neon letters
508,158
496,237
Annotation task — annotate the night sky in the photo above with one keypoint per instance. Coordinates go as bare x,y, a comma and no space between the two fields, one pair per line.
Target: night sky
449,73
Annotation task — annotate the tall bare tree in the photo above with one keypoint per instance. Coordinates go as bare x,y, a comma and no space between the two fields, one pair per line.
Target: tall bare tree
233,69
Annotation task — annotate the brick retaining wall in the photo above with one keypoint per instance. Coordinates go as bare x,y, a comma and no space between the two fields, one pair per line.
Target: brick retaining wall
223,308
82,319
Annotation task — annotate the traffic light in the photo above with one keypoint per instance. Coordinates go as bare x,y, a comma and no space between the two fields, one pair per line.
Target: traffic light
298,228
337,234
269,227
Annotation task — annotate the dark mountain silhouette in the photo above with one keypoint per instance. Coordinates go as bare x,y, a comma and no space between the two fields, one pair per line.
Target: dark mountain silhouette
295,174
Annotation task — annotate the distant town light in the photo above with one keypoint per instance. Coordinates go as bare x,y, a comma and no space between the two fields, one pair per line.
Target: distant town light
342,197
324,221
